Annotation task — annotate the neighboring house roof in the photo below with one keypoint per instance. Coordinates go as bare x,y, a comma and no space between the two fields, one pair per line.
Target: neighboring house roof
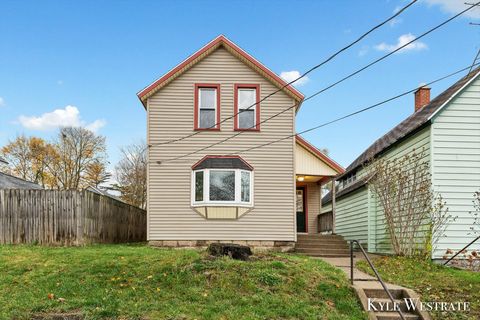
10,182
413,123
335,166
222,162
102,192
220,41
410,125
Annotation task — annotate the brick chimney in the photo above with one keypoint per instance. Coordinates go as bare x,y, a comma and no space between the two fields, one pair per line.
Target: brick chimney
422,97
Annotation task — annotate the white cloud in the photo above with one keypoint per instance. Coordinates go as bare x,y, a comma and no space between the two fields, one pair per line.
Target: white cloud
2,102
68,117
455,6
96,125
402,40
396,20
292,75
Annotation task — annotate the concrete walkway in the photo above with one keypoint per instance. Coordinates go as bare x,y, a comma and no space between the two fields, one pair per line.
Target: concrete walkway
360,279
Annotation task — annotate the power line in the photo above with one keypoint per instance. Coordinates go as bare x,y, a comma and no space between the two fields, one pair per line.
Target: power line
474,61
347,115
329,86
303,75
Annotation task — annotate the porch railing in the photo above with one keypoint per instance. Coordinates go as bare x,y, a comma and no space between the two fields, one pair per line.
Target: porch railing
325,222
389,294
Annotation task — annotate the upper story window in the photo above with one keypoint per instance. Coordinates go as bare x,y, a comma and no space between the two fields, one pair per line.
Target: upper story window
247,107
207,106
222,181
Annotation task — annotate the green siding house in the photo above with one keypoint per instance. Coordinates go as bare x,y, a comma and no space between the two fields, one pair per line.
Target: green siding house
448,130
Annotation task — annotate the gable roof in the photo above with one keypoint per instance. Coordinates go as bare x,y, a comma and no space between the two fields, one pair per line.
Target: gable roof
320,155
10,182
220,41
413,123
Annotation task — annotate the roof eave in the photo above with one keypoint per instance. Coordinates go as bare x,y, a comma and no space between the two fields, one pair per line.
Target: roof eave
221,40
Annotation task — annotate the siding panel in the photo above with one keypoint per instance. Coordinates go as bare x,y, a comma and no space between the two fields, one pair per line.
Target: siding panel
456,164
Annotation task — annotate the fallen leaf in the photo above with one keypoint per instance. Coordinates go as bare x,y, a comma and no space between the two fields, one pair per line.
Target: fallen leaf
51,296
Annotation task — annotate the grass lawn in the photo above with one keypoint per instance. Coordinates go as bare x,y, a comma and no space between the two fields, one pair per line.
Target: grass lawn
433,282
139,282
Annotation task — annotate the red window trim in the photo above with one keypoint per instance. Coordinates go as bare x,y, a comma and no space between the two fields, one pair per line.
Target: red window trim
196,106
257,106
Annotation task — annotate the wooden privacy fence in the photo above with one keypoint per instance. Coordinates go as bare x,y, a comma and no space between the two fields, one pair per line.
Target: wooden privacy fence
67,218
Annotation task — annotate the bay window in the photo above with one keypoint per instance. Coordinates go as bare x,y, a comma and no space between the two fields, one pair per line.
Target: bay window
222,187
222,181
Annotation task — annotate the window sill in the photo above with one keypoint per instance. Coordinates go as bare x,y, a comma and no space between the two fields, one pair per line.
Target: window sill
206,129
219,204
240,129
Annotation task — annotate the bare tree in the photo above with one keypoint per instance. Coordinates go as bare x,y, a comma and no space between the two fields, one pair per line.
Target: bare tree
131,174
76,150
416,217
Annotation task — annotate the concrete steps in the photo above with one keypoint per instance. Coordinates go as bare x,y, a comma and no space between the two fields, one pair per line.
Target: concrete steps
318,245
380,307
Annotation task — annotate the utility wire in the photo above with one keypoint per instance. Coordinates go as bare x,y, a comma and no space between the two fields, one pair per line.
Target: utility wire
329,86
356,112
300,77
474,61
347,115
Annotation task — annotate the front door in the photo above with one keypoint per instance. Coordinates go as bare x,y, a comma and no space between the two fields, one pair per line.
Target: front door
301,210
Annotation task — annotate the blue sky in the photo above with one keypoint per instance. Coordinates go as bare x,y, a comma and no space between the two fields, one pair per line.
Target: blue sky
88,59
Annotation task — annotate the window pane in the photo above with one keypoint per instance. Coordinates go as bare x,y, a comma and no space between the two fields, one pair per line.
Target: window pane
222,185
199,186
246,119
245,192
207,98
246,98
207,118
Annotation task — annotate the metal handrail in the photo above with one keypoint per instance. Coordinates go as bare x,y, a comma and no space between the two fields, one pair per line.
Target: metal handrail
374,270
464,248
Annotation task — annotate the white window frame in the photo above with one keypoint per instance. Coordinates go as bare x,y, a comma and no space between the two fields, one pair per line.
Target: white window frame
206,189
199,103
252,108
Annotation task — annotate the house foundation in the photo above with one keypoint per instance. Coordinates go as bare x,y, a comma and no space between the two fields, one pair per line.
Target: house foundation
257,246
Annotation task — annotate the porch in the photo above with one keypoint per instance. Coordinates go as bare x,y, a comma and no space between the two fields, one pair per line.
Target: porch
313,170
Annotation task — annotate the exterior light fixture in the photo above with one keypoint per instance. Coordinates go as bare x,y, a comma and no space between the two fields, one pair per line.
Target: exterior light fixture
301,178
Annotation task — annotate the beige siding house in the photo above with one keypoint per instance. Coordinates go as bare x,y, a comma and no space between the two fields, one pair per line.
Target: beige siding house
212,176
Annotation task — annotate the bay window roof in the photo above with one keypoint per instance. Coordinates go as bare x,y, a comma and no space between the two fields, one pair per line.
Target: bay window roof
222,162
